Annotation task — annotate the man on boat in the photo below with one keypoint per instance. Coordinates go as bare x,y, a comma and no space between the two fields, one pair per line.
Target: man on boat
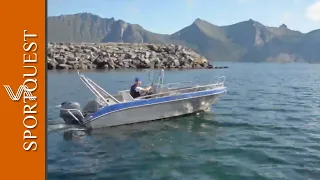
136,90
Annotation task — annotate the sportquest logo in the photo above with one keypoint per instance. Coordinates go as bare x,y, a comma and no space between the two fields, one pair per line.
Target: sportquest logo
22,89
29,86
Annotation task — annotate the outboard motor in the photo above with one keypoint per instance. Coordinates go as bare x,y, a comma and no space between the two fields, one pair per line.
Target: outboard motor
92,107
67,107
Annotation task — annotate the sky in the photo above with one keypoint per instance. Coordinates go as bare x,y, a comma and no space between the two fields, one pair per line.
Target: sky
169,16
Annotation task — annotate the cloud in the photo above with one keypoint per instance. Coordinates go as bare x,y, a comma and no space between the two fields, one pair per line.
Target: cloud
313,12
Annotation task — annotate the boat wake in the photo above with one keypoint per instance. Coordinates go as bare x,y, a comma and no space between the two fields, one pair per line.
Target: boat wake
60,126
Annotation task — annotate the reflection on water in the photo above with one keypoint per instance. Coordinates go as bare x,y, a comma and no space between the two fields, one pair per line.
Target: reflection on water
190,123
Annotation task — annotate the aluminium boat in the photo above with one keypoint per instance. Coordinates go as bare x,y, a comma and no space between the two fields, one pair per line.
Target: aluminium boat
166,100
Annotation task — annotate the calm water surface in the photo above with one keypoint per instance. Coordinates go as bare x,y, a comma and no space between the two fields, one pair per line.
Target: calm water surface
267,126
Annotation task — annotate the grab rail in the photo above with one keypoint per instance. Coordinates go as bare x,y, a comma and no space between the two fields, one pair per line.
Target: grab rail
92,87
94,91
178,83
219,84
219,80
221,77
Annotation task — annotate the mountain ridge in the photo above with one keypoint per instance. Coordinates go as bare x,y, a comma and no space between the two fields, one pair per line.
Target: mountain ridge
248,40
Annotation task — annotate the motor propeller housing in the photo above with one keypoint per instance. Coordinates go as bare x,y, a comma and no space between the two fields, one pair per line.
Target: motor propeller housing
70,112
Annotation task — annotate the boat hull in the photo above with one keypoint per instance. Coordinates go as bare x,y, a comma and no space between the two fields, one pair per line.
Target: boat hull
154,112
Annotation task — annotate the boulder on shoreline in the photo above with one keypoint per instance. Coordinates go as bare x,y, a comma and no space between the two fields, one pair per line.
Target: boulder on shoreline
122,55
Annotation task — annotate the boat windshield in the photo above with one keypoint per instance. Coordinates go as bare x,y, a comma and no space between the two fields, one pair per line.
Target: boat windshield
155,77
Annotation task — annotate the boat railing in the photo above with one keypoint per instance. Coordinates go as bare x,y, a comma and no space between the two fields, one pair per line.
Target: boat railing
177,84
220,80
219,83
216,80
103,97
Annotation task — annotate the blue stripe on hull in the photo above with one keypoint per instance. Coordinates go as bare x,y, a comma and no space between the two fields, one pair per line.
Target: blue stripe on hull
143,102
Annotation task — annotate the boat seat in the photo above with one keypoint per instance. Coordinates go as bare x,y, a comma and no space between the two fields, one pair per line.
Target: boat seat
126,97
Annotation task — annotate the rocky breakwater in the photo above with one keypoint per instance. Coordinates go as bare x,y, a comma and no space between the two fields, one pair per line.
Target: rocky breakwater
122,55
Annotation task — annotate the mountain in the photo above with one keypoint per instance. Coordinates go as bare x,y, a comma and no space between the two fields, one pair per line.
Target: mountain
209,40
309,46
248,41
87,27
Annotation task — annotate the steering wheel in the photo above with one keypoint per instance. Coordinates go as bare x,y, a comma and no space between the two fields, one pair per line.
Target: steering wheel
151,89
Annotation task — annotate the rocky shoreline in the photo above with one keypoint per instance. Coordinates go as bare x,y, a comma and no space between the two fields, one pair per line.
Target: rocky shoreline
123,56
